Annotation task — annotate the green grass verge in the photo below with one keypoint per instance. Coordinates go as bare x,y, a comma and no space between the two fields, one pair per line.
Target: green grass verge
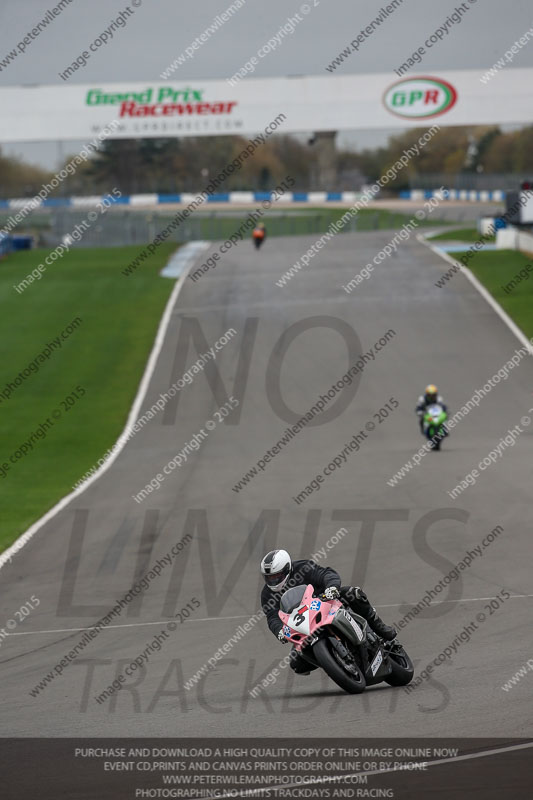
495,269
469,235
105,354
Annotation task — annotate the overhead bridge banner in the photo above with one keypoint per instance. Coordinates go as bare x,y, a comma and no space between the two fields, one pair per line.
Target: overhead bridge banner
210,108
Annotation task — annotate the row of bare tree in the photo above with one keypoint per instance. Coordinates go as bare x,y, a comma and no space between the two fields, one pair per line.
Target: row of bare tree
184,165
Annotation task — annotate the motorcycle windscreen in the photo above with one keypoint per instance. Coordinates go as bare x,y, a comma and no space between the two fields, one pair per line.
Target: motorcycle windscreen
292,598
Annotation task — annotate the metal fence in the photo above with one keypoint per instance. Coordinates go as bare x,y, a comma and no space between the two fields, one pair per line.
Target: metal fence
130,227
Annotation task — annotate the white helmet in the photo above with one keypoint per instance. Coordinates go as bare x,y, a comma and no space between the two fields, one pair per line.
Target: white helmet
276,568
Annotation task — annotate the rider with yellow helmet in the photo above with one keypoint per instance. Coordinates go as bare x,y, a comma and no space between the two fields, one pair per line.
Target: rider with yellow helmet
430,397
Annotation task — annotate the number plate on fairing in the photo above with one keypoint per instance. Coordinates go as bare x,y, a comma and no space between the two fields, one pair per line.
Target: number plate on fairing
299,620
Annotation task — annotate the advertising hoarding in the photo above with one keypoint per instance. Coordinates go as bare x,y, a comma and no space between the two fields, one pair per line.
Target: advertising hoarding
208,108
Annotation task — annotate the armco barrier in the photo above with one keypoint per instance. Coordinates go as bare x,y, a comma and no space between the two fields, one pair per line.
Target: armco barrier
185,197
470,195
239,198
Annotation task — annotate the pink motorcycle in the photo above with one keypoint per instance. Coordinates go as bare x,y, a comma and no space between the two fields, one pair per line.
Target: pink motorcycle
333,637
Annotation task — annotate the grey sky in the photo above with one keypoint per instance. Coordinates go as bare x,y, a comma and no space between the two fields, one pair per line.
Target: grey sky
160,30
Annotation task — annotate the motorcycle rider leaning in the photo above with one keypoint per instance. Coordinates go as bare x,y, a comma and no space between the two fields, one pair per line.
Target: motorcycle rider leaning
281,573
431,395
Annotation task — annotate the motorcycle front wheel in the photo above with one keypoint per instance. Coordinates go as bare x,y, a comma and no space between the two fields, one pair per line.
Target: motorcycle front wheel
434,437
344,671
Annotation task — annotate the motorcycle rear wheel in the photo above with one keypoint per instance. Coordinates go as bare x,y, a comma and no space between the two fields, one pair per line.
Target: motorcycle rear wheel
353,683
402,668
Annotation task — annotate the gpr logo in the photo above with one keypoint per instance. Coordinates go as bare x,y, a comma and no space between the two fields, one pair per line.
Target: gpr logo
418,98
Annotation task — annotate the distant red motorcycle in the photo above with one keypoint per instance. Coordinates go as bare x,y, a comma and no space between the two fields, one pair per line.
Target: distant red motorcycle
333,637
259,235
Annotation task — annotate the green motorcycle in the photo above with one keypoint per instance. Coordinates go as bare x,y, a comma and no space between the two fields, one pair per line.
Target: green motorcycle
434,425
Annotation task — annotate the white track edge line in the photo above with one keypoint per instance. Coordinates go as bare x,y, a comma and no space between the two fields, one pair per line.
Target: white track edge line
327,779
25,537
504,316
240,616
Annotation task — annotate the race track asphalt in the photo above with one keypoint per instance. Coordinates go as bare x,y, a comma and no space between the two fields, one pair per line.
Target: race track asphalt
400,540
